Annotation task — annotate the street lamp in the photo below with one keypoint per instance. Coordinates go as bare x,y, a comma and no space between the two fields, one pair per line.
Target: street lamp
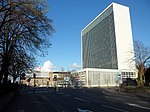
34,76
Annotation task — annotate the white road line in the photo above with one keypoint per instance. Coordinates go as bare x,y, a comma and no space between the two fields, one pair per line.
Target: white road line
67,95
143,102
121,110
57,108
139,106
38,102
82,99
112,98
81,110
20,110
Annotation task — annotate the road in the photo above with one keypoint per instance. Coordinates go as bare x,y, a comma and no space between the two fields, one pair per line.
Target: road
78,100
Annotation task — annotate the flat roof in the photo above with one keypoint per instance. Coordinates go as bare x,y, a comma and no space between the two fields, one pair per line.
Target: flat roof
113,3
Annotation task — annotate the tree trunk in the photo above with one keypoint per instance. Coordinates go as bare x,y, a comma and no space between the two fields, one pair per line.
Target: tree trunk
140,77
14,78
5,74
1,75
4,69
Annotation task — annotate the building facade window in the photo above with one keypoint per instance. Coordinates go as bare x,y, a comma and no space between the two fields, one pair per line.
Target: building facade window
99,45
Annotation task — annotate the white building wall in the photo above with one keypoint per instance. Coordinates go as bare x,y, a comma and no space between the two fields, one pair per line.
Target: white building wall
101,77
123,34
91,77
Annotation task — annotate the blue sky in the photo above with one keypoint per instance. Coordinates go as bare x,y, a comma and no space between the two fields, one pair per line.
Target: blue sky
71,16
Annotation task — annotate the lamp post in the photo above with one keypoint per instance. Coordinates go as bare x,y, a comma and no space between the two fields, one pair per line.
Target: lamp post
34,76
55,83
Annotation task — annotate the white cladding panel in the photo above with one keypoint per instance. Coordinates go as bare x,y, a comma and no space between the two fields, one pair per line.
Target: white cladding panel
123,34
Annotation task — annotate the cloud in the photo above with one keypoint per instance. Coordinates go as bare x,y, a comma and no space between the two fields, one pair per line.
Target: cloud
37,68
48,66
75,65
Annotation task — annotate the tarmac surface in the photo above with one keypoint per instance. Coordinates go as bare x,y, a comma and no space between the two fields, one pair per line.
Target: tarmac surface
78,100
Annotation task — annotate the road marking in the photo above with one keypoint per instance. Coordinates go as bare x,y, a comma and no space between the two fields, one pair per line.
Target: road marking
143,102
115,108
20,110
139,106
80,110
112,98
38,102
82,99
58,109
67,95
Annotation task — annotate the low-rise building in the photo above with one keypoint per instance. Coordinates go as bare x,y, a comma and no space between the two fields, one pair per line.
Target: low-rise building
46,79
93,77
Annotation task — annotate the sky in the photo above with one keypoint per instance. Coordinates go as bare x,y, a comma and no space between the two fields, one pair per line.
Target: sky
71,16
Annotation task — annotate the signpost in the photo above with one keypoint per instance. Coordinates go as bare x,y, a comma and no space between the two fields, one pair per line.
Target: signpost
55,82
118,80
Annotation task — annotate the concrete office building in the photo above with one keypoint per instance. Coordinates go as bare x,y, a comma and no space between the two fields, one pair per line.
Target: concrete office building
107,46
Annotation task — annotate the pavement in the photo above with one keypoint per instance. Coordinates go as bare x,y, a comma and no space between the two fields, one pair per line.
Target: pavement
26,100
5,100
140,100
114,90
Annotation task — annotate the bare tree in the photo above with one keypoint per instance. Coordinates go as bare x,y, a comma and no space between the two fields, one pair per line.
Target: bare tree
142,59
20,64
24,27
